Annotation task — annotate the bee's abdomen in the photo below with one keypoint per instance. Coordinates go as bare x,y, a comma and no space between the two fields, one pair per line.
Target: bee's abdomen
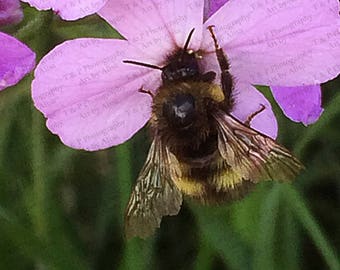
211,180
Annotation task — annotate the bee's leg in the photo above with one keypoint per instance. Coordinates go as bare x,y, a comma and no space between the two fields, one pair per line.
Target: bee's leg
226,78
251,117
145,91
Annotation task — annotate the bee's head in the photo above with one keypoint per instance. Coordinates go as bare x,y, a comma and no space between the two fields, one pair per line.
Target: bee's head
180,110
182,66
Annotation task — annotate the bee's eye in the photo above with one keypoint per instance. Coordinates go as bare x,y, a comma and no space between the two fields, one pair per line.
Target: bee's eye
180,111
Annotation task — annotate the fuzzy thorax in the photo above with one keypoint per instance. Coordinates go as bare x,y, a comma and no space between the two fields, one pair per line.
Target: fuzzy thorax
181,115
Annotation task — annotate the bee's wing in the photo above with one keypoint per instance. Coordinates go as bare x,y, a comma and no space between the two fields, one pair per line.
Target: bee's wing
252,155
154,194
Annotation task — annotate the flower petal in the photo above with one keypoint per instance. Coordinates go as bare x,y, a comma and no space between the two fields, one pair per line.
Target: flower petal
288,44
10,12
249,100
157,28
16,60
211,6
69,9
300,104
89,96
101,121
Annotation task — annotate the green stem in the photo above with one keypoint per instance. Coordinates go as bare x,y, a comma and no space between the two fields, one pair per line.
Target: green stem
290,241
205,256
136,251
124,175
264,246
39,175
9,113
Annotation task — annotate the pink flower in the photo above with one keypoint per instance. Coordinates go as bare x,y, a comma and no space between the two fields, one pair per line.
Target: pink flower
211,6
16,60
299,103
90,97
69,9
10,12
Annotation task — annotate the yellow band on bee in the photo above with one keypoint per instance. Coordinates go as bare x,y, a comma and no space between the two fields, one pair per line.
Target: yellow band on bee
189,186
216,93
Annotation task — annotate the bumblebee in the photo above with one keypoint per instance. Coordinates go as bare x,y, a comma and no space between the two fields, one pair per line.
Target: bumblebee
199,149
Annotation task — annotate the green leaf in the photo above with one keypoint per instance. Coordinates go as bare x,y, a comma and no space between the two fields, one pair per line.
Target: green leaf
264,246
245,213
39,251
289,252
136,250
90,26
218,235
332,110
205,256
297,204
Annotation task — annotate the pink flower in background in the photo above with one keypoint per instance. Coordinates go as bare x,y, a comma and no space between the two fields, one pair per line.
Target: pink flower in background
10,12
299,103
90,97
211,6
16,59
69,9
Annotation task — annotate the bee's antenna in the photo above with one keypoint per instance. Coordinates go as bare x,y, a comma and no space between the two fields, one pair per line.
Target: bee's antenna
186,45
142,64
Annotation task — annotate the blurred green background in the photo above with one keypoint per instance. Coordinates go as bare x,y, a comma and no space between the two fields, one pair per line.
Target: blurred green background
64,209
